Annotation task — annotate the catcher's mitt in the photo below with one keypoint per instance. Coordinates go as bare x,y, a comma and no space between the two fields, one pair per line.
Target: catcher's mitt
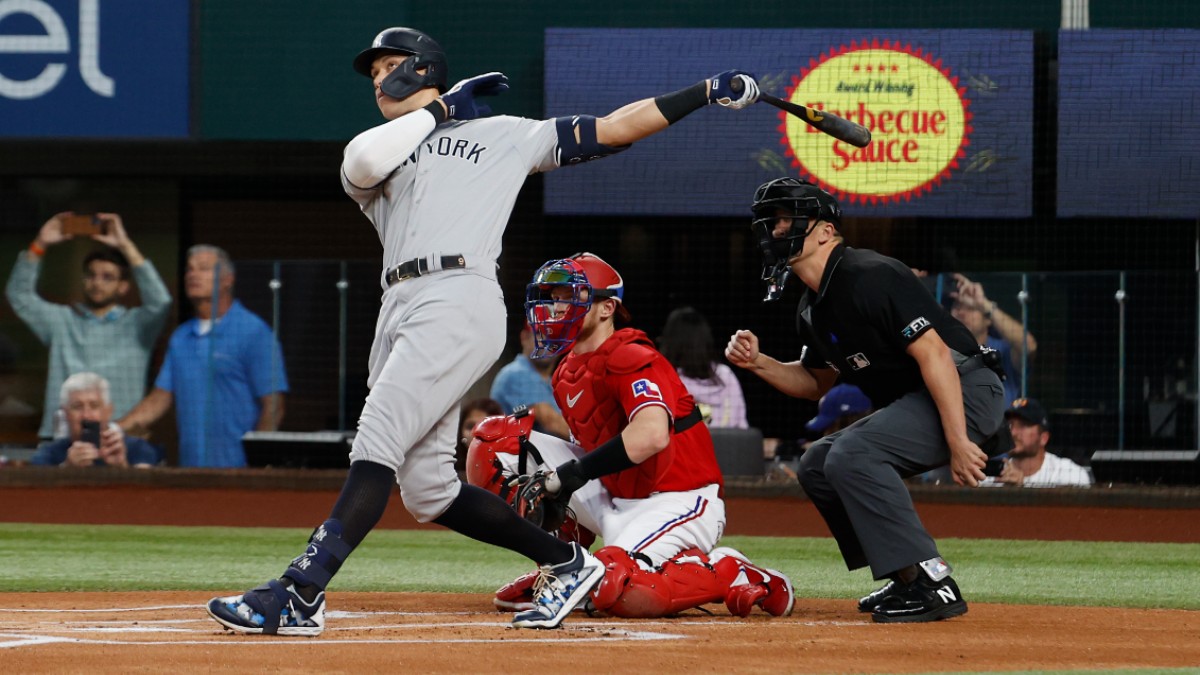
535,503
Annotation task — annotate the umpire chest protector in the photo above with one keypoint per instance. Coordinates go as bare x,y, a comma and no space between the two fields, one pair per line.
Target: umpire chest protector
868,310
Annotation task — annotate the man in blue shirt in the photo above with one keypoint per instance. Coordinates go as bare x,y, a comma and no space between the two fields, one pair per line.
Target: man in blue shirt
223,370
526,382
84,397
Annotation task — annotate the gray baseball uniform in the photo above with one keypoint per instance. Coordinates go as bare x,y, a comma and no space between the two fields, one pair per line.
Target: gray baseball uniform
437,334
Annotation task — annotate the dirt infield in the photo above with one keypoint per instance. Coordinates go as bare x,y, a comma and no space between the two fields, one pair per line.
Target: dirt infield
456,633
434,633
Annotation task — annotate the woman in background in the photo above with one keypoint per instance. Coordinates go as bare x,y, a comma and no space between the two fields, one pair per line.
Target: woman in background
687,342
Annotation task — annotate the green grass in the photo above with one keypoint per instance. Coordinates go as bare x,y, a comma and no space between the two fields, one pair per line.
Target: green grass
126,558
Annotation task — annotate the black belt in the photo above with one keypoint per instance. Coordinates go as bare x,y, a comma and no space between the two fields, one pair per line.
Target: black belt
986,358
420,266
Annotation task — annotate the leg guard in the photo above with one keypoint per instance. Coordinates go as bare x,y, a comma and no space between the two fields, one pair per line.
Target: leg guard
749,585
325,550
631,591
516,595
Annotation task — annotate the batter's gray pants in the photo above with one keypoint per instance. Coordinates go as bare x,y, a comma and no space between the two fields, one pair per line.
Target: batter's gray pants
855,477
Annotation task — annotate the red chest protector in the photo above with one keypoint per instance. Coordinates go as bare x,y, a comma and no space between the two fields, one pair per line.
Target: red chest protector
593,392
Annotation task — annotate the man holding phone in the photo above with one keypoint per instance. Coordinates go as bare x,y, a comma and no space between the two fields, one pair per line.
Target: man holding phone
99,334
93,440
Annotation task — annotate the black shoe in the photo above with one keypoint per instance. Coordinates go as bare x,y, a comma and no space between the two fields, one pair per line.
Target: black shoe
870,602
922,600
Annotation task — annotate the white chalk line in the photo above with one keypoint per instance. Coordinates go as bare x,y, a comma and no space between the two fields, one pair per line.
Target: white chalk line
13,636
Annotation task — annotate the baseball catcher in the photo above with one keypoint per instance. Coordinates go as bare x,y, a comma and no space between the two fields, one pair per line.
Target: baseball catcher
643,475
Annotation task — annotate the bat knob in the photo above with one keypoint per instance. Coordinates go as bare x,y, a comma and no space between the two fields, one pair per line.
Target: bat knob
735,84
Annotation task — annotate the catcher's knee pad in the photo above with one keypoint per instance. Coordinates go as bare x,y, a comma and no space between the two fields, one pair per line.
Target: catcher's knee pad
320,561
492,437
684,582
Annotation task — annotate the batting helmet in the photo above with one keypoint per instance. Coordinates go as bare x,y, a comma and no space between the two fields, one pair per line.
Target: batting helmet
402,82
556,315
799,200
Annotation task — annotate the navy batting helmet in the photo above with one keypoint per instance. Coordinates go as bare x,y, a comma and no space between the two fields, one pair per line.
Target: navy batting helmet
426,54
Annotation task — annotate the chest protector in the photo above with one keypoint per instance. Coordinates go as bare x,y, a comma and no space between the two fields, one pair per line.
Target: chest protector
597,414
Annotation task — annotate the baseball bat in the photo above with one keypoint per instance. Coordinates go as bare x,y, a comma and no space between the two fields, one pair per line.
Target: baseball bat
842,129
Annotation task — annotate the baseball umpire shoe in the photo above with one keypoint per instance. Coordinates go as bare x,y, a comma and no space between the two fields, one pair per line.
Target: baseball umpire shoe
922,600
872,600
754,585
270,609
560,588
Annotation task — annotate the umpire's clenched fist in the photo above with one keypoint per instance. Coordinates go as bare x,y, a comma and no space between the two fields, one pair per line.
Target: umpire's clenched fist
742,349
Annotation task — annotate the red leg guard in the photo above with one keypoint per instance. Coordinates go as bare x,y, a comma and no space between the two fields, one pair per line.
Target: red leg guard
629,591
516,595
752,585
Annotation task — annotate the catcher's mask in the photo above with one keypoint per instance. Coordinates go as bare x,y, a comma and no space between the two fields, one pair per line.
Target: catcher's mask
799,200
492,437
424,54
561,295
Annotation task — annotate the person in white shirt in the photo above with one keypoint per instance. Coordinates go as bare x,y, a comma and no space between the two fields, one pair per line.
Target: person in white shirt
1028,463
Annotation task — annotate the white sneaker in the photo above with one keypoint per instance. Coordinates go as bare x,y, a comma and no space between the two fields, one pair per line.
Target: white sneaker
560,588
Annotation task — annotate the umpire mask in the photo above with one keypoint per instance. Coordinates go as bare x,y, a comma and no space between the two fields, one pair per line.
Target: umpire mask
799,200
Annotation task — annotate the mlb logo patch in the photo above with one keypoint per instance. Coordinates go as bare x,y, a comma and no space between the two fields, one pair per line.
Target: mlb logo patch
646,388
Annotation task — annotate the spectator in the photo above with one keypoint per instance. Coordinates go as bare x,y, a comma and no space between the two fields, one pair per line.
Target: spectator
223,370
687,342
98,335
993,329
472,413
840,407
84,397
526,382
1028,463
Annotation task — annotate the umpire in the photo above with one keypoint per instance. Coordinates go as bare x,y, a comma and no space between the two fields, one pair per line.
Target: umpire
866,319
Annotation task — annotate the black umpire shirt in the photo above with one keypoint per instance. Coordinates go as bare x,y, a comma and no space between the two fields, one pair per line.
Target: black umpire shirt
868,310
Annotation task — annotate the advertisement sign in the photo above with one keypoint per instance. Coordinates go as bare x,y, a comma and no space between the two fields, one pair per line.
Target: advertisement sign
1128,123
950,113
94,68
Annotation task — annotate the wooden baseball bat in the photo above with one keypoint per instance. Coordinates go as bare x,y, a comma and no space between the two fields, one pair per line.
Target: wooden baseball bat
842,129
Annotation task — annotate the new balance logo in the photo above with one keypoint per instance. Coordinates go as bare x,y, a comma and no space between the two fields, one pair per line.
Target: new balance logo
946,594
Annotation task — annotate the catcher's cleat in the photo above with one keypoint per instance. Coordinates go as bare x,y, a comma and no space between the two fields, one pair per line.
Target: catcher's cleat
754,585
871,601
270,609
922,600
560,588
517,595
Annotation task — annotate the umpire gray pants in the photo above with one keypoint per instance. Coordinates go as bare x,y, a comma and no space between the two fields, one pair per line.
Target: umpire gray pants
855,477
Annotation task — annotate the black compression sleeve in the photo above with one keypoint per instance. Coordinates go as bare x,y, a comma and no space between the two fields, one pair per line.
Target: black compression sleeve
609,458
677,105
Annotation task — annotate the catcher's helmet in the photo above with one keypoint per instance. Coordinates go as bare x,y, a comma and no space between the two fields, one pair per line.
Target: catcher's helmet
405,80
788,197
556,315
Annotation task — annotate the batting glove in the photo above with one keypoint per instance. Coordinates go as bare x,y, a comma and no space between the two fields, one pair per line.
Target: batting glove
733,89
460,100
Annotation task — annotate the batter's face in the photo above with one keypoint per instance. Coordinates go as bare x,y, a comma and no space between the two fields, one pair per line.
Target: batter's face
1028,439
103,285
394,108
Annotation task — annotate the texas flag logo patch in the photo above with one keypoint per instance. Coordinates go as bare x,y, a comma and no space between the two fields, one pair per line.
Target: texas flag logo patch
646,388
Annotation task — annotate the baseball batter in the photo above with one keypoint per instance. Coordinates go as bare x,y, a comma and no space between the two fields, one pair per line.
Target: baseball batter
438,181
643,476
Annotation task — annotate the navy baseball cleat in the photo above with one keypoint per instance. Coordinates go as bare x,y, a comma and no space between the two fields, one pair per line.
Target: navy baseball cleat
270,609
560,588
922,600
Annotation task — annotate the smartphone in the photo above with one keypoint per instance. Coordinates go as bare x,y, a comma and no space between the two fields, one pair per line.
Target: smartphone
993,467
85,224
90,432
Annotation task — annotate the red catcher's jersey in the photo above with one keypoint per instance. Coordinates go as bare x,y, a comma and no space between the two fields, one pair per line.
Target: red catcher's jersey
600,391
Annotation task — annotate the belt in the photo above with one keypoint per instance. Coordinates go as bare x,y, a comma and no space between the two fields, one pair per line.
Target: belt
420,266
